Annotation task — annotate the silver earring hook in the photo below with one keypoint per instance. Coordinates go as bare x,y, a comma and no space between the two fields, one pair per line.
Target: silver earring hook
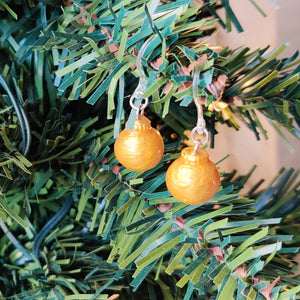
201,124
141,87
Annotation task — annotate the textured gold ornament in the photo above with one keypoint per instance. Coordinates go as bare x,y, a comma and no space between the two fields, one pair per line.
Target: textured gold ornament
193,178
140,148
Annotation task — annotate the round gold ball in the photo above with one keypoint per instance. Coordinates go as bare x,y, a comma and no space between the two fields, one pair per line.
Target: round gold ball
193,178
140,148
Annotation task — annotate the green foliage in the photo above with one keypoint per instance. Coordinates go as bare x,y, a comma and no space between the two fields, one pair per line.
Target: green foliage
77,225
98,57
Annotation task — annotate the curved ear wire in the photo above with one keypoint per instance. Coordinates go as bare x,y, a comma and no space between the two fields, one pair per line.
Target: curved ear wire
196,99
141,87
201,125
139,65
140,106
21,115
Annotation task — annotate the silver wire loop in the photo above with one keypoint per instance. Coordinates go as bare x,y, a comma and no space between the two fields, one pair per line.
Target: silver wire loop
139,109
198,141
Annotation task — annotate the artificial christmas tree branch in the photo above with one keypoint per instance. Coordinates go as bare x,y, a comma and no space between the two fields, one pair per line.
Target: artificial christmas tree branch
259,81
124,235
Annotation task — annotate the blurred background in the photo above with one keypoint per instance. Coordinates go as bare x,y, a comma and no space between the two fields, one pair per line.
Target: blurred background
280,26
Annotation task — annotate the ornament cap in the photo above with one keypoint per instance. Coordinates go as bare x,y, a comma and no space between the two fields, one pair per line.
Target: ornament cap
142,123
189,155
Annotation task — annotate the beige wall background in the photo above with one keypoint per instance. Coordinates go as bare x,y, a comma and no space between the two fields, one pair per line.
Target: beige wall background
280,26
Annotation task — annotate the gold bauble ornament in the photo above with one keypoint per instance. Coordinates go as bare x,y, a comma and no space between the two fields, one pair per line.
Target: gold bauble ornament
193,178
140,148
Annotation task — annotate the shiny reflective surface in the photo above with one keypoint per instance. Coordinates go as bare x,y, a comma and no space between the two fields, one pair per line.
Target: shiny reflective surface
140,148
193,178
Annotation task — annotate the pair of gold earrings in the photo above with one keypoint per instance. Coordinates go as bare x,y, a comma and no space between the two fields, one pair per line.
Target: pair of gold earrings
192,178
